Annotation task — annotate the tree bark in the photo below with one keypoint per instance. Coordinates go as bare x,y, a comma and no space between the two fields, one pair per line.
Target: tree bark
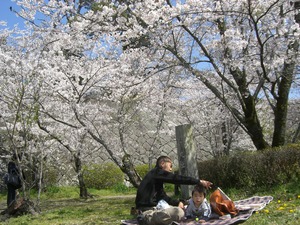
226,138
296,135
129,170
252,124
250,119
77,159
281,108
78,168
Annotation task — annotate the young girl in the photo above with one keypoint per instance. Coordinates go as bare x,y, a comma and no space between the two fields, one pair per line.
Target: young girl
198,208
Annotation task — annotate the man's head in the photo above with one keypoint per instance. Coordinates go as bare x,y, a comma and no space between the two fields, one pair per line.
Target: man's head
165,163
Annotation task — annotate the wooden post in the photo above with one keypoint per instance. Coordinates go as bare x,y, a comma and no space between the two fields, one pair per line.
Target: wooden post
186,156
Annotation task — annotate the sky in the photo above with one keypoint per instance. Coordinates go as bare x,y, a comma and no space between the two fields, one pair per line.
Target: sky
9,16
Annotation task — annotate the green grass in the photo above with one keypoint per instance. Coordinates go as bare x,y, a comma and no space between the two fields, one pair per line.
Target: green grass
62,206
75,211
284,209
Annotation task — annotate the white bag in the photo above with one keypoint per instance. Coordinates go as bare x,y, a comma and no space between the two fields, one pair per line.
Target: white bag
162,204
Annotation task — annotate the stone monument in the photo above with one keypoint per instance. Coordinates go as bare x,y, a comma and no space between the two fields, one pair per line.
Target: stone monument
186,156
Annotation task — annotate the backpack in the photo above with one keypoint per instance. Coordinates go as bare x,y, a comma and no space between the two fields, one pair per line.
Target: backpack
222,204
12,178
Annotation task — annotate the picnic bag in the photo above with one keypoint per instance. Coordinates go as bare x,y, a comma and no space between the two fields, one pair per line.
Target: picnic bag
13,179
222,204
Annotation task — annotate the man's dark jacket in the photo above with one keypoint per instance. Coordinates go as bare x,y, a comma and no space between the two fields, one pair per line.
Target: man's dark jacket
151,189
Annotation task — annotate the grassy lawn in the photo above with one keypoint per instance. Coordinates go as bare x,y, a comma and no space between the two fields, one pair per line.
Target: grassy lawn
62,206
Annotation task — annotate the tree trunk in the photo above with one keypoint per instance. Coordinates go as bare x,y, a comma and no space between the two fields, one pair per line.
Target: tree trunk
226,138
296,135
83,190
252,124
129,170
250,119
78,165
281,108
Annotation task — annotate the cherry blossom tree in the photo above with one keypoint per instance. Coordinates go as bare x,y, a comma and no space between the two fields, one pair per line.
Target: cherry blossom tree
243,51
89,84
18,86
120,75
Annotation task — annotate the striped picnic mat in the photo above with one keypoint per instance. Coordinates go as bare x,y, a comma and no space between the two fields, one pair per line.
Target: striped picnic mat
246,208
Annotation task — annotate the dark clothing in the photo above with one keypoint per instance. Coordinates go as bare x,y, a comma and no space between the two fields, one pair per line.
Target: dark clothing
12,167
11,190
11,194
151,189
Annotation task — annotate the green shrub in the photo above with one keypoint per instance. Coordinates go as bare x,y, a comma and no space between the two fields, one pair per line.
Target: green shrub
102,176
51,190
58,192
121,188
51,176
254,169
169,187
143,169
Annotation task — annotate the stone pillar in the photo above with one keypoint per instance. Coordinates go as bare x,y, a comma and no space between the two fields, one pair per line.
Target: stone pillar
186,156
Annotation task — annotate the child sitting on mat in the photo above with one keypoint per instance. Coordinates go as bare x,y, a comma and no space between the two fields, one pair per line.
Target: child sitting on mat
198,208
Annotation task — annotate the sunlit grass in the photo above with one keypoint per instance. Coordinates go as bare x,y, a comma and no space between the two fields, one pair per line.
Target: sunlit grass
279,212
284,209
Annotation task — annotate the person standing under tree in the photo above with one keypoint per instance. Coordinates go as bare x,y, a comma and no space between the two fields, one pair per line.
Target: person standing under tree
151,193
11,189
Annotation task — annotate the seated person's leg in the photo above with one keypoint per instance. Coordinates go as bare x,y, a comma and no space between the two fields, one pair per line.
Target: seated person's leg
166,216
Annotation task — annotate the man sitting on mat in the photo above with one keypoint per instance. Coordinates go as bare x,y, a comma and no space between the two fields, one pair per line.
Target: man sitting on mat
151,192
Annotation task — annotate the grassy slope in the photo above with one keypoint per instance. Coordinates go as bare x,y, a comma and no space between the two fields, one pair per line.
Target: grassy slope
62,206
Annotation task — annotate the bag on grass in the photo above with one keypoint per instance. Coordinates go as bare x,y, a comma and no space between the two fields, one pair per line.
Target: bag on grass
222,204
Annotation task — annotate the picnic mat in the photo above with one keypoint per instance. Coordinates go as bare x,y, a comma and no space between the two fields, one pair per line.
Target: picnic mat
246,207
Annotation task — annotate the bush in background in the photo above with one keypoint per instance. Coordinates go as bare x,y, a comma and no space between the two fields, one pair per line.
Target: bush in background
143,169
51,176
255,169
103,176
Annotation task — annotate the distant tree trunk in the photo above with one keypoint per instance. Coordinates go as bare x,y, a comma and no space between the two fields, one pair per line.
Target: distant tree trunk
77,159
297,7
78,168
226,138
296,135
